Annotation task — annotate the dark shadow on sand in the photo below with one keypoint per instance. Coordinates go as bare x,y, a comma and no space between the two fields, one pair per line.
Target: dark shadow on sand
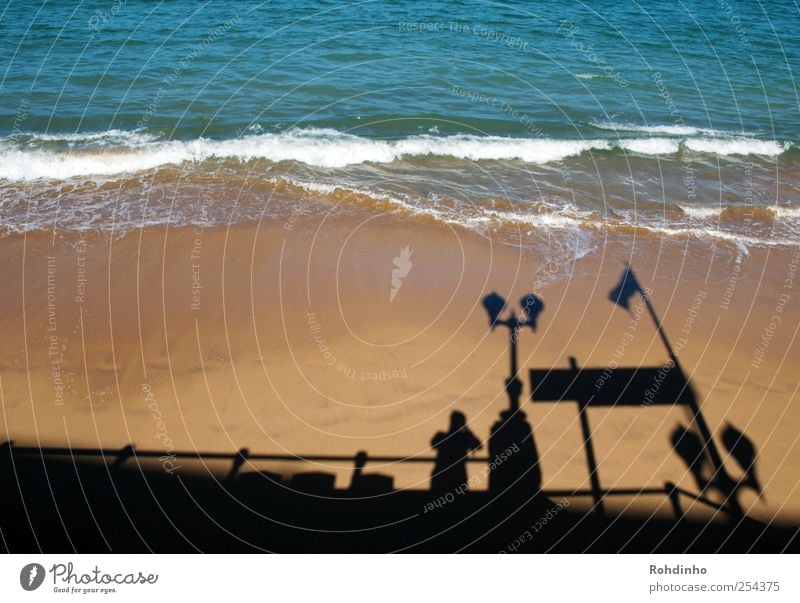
129,500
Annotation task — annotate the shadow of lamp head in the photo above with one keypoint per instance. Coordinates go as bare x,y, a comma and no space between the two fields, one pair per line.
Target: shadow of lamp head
494,305
531,307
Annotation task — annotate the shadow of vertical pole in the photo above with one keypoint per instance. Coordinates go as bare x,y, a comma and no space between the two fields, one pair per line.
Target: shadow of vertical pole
697,415
591,459
674,499
513,332
239,459
123,455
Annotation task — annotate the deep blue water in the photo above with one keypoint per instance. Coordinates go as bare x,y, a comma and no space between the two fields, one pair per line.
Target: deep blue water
379,68
550,115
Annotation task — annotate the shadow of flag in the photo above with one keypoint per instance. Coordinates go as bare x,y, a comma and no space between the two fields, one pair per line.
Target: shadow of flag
627,288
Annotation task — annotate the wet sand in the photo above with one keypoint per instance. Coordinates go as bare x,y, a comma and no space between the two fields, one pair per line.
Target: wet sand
280,337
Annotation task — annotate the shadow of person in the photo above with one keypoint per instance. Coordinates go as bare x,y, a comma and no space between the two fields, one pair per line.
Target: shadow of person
452,449
368,484
743,450
513,458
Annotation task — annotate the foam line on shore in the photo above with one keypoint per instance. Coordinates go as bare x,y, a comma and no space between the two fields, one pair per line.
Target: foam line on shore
64,156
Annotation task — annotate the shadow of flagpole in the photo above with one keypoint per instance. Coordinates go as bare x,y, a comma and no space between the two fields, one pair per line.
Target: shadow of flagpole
620,295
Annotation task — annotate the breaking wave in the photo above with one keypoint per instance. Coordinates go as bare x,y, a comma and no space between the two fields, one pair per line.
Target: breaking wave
64,156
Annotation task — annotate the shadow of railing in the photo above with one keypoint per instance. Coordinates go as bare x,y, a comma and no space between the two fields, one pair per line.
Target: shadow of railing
116,458
305,511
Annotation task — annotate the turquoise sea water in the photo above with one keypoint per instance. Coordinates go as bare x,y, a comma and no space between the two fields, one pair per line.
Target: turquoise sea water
387,69
574,108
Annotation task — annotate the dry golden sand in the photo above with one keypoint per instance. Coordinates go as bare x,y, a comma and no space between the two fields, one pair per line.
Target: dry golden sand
292,346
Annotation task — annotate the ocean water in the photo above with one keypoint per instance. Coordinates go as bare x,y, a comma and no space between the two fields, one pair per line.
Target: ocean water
673,119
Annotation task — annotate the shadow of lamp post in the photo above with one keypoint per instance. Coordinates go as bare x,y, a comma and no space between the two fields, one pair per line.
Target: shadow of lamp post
531,307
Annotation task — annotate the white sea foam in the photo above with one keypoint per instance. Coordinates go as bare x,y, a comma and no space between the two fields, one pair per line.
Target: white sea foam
322,148
542,214
665,129
115,136
703,140
787,212
650,146
133,151
731,146
539,219
713,211
701,212
102,209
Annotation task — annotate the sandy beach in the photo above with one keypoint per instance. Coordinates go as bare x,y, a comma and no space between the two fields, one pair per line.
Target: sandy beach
282,337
